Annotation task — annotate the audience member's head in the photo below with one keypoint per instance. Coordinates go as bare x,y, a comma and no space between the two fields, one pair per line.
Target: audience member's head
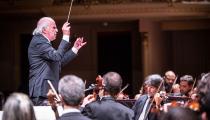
18,107
112,83
203,89
179,113
71,88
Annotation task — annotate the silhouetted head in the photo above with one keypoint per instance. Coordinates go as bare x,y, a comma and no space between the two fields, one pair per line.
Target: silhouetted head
112,83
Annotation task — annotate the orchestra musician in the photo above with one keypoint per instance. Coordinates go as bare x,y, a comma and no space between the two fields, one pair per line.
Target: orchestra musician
106,108
121,95
140,108
186,84
71,93
142,91
203,89
181,93
169,79
184,87
71,89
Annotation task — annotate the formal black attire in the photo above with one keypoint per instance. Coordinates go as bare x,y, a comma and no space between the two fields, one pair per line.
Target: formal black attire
167,87
139,106
107,109
73,116
45,64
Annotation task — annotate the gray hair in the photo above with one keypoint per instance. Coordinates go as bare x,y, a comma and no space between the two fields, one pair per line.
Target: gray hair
71,88
41,24
187,78
113,83
154,80
204,93
179,113
18,107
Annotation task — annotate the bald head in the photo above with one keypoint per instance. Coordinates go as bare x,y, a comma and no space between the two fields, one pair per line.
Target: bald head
44,20
170,77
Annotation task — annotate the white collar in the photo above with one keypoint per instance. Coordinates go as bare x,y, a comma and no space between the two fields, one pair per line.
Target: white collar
70,110
46,37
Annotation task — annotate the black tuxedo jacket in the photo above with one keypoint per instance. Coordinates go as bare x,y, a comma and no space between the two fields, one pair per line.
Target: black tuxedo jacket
73,116
107,109
45,64
138,108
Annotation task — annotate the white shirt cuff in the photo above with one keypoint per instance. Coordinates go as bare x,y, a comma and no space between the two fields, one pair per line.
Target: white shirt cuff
74,50
66,38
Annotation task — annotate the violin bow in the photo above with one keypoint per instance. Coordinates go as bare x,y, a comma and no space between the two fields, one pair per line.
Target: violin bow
59,109
69,10
54,91
173,84
124,88
193,84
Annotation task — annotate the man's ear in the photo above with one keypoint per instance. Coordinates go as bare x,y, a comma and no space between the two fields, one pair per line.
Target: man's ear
82,100
44,30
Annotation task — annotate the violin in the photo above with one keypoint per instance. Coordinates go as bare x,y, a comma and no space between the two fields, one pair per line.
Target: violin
54,100
97,87
121,95
193,105
154,106
190,102
181,101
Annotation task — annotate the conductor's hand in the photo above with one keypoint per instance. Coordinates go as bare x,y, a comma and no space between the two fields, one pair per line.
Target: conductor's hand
66,28
79,43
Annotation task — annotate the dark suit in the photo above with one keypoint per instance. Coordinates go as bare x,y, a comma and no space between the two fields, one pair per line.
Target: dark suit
107,109
73,116
45,64
138,108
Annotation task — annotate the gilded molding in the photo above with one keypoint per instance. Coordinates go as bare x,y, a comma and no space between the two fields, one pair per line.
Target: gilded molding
131,11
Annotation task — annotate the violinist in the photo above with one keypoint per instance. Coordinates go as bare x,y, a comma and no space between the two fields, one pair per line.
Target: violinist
71,90
194,94
97,90
106,108
121,95
180,95
169,80
203,88
142,91
186,84
141,108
